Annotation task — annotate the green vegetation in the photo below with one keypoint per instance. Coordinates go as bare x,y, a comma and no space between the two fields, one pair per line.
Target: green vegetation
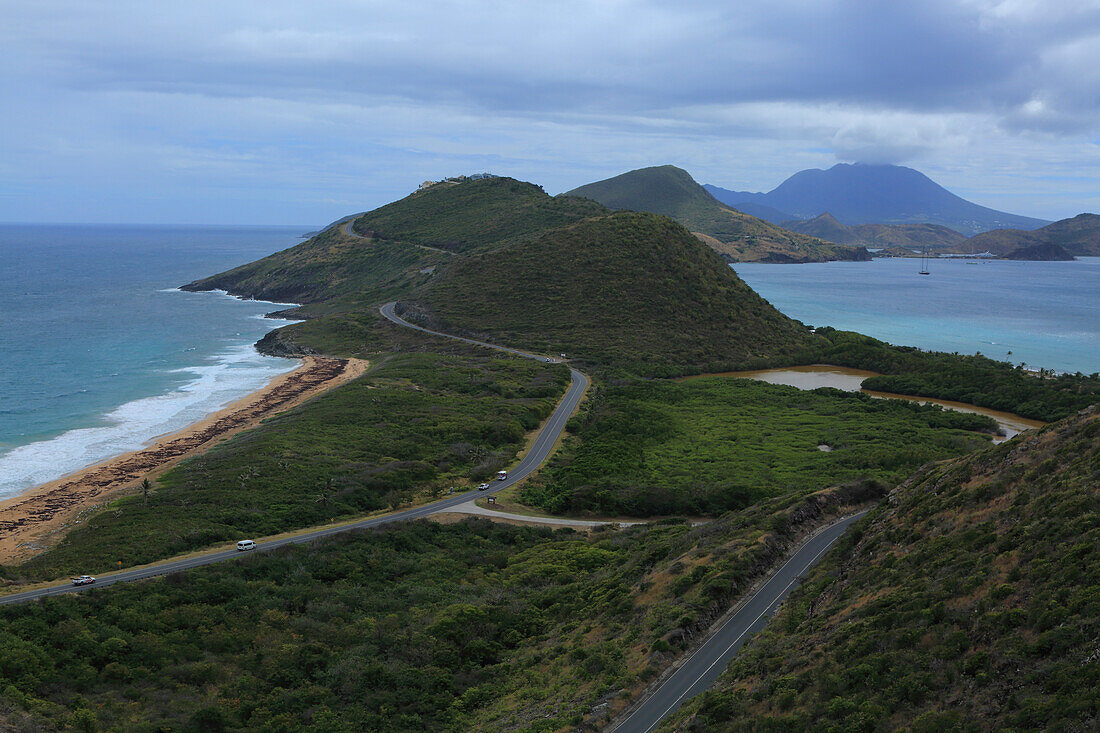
716,444
331,268
633,291
976,380
672,192
969,601
412,627
409,429
474,215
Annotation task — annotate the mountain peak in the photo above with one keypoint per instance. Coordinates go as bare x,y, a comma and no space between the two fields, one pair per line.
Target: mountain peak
862,193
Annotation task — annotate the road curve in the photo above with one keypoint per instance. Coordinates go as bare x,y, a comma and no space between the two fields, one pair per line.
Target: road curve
538,453
699,671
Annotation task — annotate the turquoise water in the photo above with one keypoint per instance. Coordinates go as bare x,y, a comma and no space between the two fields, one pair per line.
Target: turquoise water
1044,314
99,353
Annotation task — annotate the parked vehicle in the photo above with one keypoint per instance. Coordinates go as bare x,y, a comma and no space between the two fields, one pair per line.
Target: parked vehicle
245,545
83,580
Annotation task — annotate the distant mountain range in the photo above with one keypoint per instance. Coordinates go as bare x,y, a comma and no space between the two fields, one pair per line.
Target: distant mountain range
738,236
932,237
1079,236
871,194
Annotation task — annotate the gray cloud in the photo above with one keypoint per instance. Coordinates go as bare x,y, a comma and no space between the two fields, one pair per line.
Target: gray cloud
312,100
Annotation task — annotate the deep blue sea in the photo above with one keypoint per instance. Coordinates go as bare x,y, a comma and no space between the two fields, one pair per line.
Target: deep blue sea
1044,314
99,353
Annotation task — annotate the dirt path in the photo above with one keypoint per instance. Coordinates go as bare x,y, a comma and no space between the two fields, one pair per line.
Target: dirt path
471,507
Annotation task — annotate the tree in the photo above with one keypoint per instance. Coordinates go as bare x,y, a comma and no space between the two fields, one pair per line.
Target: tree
145,486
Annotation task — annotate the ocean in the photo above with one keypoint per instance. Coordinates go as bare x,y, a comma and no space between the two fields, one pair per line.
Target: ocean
1042,314
100,353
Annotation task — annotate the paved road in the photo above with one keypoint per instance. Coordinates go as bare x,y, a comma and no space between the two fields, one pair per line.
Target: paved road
539,452
704,666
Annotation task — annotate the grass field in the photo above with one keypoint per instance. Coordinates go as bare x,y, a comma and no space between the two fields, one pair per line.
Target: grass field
714,444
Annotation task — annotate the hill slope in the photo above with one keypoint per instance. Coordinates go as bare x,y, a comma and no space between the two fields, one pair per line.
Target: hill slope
968,602
909,236
878,194
626,289
1078,236
473,215
671,191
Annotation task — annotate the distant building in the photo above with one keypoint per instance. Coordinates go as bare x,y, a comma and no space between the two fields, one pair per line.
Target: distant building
425,184
479,176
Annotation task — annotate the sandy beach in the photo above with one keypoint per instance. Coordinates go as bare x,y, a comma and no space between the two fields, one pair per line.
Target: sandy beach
39,517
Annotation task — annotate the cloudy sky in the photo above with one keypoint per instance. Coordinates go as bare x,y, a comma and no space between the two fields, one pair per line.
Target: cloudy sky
278,112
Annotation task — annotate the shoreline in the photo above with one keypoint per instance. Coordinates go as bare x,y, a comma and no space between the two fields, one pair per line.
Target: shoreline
39,517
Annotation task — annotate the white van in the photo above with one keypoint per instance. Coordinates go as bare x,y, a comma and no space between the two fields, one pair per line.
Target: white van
502,475
245,545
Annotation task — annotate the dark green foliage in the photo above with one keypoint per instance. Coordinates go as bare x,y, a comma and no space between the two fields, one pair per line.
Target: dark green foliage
415,425
415,626
631,291
474,215
706,446
970,601
975,380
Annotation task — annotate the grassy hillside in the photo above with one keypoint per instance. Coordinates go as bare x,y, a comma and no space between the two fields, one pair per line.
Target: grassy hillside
328,268
711,445
474,215
630,290
671,191
970,600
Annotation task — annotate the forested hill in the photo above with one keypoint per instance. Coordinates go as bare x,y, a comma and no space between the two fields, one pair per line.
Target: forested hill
671,191
381,262
473,215
969,601
503,259
626,289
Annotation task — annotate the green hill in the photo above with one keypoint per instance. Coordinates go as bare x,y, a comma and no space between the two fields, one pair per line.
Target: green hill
628,289
970,600
473,215
673,192
327,268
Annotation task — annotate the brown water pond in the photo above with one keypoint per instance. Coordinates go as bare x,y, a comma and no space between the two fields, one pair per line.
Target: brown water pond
825,375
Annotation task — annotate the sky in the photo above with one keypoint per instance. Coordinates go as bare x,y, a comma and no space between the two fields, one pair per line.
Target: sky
274,112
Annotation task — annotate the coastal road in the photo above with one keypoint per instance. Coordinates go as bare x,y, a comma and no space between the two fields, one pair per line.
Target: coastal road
699,671
540,451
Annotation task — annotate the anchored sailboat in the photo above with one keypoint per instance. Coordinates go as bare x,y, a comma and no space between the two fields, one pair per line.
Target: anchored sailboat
924,263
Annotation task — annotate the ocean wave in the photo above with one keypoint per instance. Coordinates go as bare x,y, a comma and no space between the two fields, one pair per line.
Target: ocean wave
232,374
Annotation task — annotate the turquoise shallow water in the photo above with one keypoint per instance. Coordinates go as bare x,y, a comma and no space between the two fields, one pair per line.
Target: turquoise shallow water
1044,314
99,353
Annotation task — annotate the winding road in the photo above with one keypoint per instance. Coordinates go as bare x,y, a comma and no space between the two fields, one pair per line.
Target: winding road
693,675
539,452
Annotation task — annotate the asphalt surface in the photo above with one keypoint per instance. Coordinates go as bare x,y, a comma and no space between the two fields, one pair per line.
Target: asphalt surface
703,667
539,452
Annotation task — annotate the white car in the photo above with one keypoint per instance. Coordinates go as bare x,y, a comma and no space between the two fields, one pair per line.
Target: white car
482,487
83,580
